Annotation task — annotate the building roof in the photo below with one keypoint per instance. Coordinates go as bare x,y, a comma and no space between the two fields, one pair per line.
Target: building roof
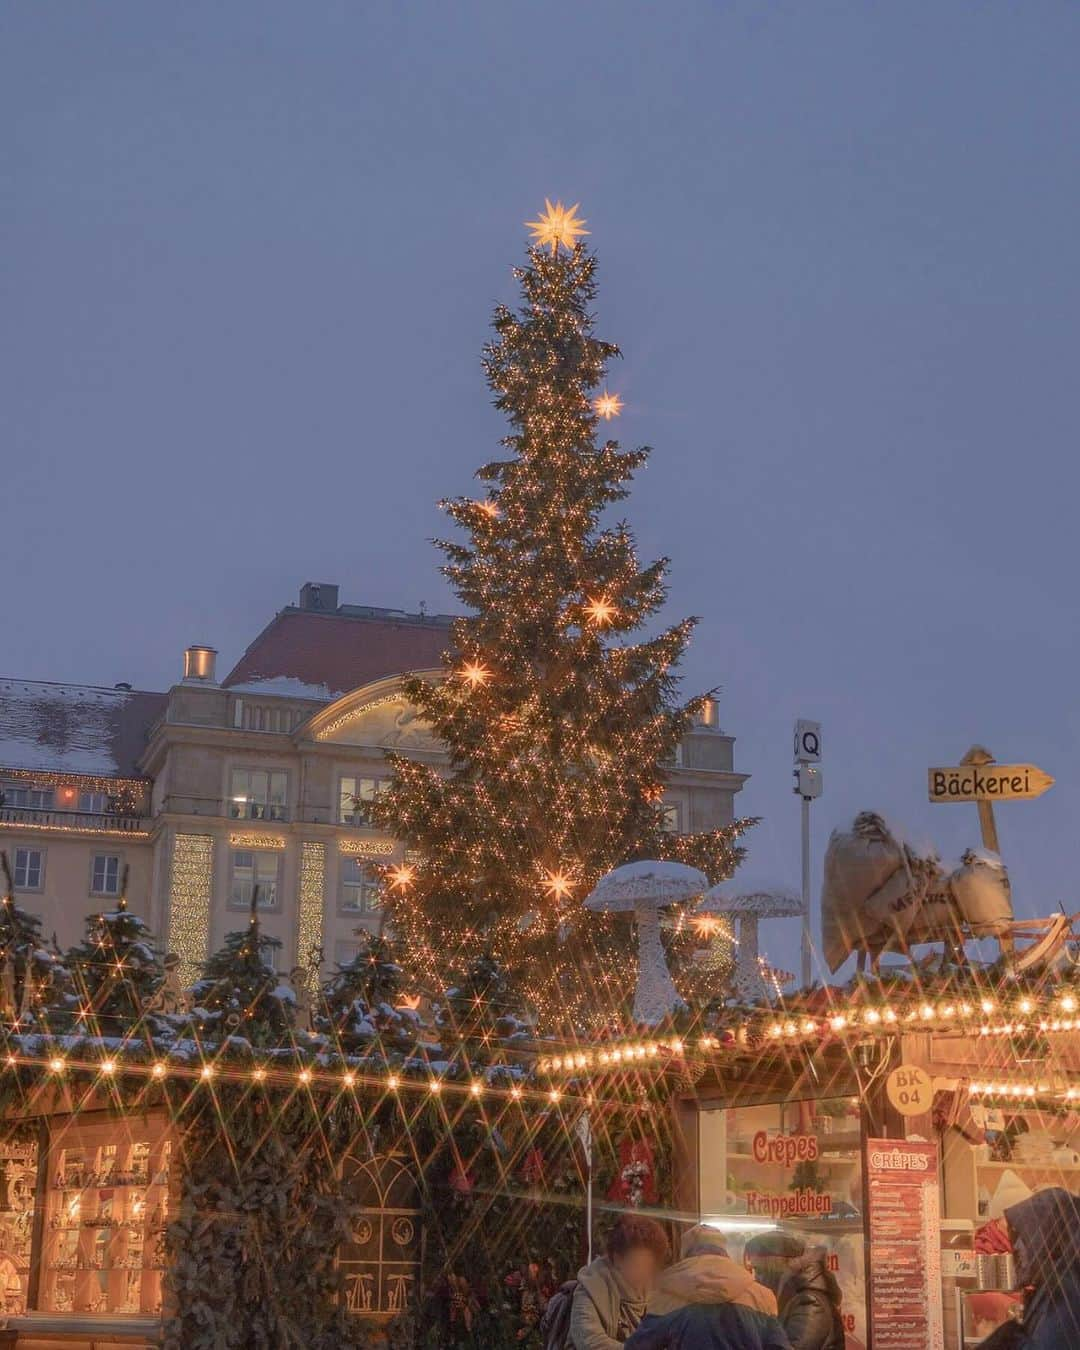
339,651
75,728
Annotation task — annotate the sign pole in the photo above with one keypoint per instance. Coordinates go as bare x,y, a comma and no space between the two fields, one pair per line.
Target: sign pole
808,786
978,754
807,971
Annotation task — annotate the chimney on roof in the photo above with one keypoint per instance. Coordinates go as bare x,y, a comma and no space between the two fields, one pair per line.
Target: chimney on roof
319,597
199,665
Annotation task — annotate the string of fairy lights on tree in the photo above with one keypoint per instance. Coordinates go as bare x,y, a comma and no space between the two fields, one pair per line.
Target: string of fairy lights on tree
559,712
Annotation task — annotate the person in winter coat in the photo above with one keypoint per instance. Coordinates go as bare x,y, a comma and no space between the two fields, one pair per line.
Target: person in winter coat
1045,1234
611,1292
706,1274
806,1292
706,1301
710,1326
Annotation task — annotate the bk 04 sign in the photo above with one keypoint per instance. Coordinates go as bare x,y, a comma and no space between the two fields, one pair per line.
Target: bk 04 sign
909,1090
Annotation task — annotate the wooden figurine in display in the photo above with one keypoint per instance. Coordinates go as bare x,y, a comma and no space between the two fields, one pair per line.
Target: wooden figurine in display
299,983
170,999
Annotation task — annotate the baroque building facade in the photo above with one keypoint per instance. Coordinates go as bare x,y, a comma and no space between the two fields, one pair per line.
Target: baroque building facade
199,795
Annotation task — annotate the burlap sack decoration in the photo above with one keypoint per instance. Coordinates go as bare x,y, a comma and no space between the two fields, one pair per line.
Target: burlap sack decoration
983,895
857,863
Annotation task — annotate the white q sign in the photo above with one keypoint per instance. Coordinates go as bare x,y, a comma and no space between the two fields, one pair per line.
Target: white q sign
807,742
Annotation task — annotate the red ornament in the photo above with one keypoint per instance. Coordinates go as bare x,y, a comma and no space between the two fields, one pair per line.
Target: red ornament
532,1169
461,1180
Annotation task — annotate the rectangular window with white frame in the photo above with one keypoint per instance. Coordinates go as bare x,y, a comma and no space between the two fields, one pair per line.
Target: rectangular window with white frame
672,822
29,797
96,803
360,891
106,874
251,868
258,794
29,873
356,796
346,952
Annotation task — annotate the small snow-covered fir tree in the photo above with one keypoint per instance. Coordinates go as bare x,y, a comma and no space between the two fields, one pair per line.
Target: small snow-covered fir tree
480,1012
116,970
31,977
239,993
361,997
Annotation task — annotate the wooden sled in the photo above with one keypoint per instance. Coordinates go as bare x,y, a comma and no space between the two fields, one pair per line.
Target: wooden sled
1050,937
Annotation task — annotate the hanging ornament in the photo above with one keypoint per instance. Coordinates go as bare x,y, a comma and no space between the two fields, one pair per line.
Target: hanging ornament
607,405
635,1184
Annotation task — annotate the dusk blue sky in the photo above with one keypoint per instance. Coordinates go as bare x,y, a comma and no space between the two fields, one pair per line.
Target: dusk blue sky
248,254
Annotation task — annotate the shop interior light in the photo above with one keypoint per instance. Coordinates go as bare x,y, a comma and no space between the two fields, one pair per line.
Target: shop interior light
738,1224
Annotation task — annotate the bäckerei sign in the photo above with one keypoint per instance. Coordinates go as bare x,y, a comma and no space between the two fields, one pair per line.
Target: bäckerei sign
987,783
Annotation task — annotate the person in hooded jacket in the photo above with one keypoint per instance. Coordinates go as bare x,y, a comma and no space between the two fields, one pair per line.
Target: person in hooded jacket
706,1301
807,1294
1045,1234
609,1298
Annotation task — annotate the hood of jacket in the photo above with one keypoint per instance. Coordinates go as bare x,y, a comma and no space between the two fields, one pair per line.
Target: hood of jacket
1045,1230
706,1274
809,1272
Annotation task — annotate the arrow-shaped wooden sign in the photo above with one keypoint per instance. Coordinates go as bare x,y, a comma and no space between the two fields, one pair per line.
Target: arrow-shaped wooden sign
988,783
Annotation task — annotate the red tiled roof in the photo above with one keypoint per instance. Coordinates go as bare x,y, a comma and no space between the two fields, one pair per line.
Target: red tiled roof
339,651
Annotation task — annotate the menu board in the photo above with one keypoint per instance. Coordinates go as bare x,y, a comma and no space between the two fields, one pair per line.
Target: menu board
905,1256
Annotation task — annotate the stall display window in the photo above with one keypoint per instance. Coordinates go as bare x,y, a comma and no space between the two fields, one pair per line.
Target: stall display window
18,1176
104,1241
793,1167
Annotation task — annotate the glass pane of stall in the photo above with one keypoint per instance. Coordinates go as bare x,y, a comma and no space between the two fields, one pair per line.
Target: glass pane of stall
18,1177
107,1207
794,1167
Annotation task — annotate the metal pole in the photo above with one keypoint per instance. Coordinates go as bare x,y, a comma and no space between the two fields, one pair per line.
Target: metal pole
588,1198
807,973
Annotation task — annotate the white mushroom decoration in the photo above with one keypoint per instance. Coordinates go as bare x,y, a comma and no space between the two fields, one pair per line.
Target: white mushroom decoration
645,888
747,904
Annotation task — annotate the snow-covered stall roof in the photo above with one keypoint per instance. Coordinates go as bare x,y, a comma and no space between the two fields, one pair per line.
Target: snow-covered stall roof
74,728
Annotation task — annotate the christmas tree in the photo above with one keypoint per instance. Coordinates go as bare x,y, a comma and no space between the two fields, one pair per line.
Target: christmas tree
239,993
29,975
361,999
481,1012
557,709
116,971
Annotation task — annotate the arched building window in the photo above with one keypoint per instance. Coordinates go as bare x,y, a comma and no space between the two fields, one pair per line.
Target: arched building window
380,1266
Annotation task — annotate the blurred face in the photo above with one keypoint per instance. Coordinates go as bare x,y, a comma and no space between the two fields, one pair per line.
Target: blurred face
769,1270
638,1267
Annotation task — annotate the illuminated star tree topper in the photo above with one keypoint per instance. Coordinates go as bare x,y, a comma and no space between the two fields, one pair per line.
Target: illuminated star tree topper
557,225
